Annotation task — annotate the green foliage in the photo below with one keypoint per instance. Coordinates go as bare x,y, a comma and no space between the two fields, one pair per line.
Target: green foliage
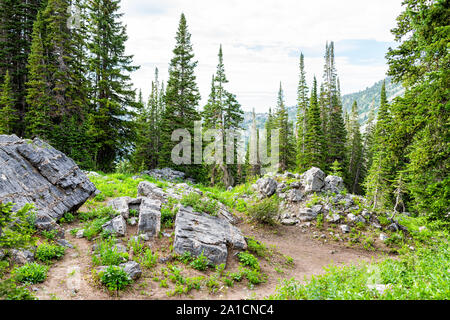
46,252
8,114
258,248
253,276
106,253
67,218
168,212
200,263
137,245
10,291
200,204
114,278
16,228
264,211
50,235
148,259
30,273
248,260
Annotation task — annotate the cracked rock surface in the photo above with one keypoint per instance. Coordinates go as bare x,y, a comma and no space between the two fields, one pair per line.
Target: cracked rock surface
32,171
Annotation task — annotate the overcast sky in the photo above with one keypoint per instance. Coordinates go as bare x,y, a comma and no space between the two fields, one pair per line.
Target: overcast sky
262,40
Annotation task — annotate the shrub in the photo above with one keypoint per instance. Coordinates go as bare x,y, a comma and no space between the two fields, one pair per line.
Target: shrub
67,218
137,245
46,252
264,211
16,228
30,273
247,259
114,278
258,248
10,291
200,263
199,204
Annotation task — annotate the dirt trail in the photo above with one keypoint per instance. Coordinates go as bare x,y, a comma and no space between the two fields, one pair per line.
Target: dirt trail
71,278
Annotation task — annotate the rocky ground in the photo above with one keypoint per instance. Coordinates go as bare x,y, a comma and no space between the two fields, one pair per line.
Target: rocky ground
156,227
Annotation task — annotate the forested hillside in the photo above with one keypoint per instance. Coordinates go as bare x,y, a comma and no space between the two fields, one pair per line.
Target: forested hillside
366,99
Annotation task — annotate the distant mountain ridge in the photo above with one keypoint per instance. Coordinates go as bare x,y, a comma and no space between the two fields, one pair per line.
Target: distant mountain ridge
365,99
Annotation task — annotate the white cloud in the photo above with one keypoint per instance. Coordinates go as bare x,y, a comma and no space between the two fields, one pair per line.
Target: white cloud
258,38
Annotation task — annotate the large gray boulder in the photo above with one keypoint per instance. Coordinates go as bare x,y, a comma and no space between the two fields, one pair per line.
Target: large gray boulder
35,172
200,232
313,180
266,186
334,184
149,217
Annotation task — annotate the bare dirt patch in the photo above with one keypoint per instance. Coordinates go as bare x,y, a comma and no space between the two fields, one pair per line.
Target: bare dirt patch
71,277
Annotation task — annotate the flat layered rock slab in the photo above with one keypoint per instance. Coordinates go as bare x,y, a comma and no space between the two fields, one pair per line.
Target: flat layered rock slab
199,233
32,171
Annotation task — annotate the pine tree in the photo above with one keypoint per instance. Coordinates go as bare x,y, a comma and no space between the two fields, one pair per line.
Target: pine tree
368,139
302,106
113,99
281,122
39,99
377,182
355,148
8,116
223,113
419,127
16,27
314,138
181,99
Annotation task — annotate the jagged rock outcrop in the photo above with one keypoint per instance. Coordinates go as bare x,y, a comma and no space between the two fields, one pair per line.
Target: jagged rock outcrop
35,172
200,232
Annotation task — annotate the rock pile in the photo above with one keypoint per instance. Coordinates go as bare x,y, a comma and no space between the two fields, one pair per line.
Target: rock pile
195,232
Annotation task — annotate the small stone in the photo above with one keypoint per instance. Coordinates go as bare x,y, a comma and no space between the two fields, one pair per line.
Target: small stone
383,237
132,221
422,229
345,228
79,234
393,227
132,268
289,222
64,243
333,218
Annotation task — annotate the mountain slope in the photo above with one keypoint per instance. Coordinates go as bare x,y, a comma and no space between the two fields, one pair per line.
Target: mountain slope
365,98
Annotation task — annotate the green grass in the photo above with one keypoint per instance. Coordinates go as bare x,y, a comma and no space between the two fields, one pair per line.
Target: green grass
106,254
420,274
